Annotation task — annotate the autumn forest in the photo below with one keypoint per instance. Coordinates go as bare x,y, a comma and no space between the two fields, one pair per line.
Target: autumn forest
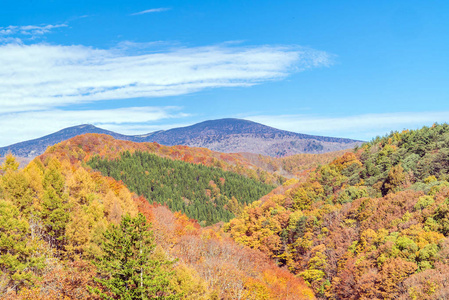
98,218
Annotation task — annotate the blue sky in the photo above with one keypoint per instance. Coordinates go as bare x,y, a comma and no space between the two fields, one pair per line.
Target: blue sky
352,69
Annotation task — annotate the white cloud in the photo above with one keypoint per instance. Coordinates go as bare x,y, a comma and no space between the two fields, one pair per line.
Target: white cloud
17,127
364,127
153,10
29,29
41,76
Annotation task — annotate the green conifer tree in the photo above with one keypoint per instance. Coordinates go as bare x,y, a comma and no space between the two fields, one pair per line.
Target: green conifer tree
19,261
128,269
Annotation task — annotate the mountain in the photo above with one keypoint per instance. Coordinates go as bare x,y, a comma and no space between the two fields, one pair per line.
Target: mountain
236,135
35,147
224,135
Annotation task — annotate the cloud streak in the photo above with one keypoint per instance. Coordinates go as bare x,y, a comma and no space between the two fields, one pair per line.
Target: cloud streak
130,120
363,127
153,10
41,76
31,30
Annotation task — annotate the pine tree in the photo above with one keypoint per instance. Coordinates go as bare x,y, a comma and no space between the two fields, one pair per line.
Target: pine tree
128,269
55,207
10,164
19,261
55,217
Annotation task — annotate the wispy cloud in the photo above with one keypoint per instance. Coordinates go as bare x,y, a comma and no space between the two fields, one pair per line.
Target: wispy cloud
32,30
131,120
152,10
363,127
42,76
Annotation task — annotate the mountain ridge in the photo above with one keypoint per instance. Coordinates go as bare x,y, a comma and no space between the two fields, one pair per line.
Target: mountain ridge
242,126
224,135
35,147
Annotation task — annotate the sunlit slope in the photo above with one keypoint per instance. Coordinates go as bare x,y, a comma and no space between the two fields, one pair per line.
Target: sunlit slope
54,216
371,224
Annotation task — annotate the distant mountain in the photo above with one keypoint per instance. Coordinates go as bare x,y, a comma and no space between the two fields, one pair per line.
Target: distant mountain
37,146
224,135
236,135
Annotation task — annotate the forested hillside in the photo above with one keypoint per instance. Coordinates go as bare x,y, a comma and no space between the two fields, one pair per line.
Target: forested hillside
84,147
297,165
206,194
67,232
372,224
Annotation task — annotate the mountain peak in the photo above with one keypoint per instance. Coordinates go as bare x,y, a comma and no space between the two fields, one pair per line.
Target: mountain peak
237,135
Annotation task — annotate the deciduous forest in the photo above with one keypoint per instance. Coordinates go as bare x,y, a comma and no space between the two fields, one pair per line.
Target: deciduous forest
372,224
68,232
96,218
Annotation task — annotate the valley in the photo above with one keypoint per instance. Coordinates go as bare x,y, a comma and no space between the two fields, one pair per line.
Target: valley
364,223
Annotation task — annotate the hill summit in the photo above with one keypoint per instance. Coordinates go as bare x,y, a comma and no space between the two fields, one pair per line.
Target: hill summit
236,135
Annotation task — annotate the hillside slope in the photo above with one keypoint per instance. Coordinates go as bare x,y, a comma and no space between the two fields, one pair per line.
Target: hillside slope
206,194
57,218
84,147
373,224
